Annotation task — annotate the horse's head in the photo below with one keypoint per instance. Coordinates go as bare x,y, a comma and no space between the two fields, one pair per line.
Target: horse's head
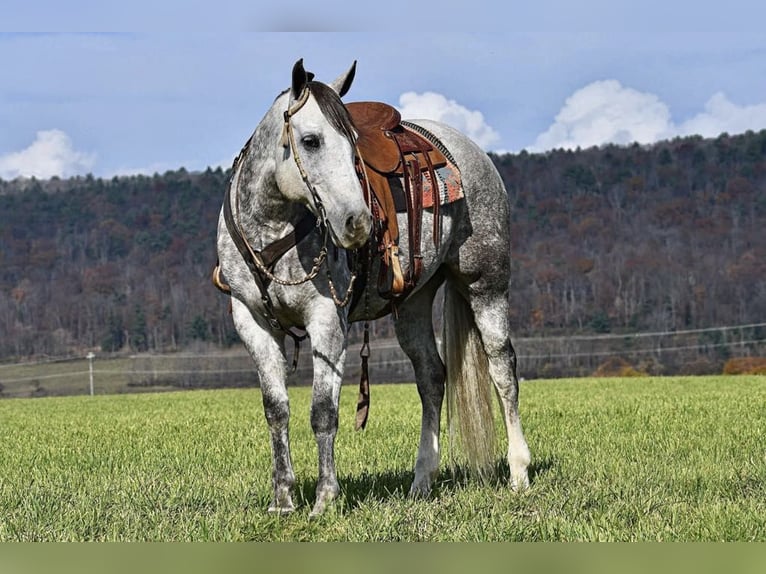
315,163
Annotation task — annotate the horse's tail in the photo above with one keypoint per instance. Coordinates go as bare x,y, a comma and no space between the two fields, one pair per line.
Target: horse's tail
469,387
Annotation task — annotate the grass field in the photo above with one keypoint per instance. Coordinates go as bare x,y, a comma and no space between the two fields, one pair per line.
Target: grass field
613,459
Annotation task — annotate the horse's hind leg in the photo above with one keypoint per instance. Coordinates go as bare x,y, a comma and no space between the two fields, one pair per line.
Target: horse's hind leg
416,337
270,363
490,308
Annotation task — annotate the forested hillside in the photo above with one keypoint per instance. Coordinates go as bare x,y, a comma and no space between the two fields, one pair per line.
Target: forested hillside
658,238
611,239
117,264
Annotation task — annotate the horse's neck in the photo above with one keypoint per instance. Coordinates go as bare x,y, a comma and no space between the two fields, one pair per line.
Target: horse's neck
263,212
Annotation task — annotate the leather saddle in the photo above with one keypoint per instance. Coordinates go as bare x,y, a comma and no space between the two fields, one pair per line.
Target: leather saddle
392,164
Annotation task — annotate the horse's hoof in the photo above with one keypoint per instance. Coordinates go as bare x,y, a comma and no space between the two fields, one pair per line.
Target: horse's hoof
283,505
317,511
325,497
519,480
281,510
420,489
320,506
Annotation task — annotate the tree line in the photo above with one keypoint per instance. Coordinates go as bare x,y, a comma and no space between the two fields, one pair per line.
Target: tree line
604,240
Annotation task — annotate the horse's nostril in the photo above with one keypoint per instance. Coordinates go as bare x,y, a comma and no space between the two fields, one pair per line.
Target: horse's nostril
355,224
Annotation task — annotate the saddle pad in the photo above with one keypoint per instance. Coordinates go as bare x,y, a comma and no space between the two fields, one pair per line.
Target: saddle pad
449,185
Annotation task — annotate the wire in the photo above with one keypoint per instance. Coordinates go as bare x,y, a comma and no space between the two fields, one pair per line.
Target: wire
642,351
639,335
43,377
392,344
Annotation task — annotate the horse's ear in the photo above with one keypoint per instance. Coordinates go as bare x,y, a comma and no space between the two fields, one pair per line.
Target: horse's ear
300,78
342,83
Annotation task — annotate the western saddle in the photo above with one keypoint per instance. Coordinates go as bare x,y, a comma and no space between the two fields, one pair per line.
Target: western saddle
393,162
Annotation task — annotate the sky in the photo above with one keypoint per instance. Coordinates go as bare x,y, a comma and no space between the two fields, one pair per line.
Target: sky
177,83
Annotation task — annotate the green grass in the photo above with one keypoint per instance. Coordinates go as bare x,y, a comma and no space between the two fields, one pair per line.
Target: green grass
613,459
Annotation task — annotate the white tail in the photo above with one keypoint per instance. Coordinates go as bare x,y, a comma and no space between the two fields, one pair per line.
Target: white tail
469,388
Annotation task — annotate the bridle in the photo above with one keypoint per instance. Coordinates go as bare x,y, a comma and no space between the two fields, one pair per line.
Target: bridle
259,265
259,262
288,140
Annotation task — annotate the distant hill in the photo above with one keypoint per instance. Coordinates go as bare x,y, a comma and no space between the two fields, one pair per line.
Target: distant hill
659,238
611,239
117,264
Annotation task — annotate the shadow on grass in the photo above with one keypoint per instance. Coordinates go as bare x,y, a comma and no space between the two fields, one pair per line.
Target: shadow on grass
360,489
461,476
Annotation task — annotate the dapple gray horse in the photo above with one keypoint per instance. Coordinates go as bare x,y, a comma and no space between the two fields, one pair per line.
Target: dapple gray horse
301,158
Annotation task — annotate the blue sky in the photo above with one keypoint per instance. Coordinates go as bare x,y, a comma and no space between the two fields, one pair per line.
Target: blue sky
183,84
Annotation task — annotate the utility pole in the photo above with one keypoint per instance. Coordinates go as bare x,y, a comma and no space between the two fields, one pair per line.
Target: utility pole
90,356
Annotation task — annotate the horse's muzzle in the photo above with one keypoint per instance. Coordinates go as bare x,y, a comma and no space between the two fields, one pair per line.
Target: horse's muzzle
356,230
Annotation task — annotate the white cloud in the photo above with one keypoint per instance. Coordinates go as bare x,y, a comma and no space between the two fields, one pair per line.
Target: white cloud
721,115
604,112
433,106
608,112
52,153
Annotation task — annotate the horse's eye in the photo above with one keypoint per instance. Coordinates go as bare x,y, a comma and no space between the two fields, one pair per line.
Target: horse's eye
311,141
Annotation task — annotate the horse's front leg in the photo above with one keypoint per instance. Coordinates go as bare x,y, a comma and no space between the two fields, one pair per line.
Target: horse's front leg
269,357
328,331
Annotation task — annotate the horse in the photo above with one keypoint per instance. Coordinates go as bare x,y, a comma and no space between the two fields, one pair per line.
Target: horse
299,165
